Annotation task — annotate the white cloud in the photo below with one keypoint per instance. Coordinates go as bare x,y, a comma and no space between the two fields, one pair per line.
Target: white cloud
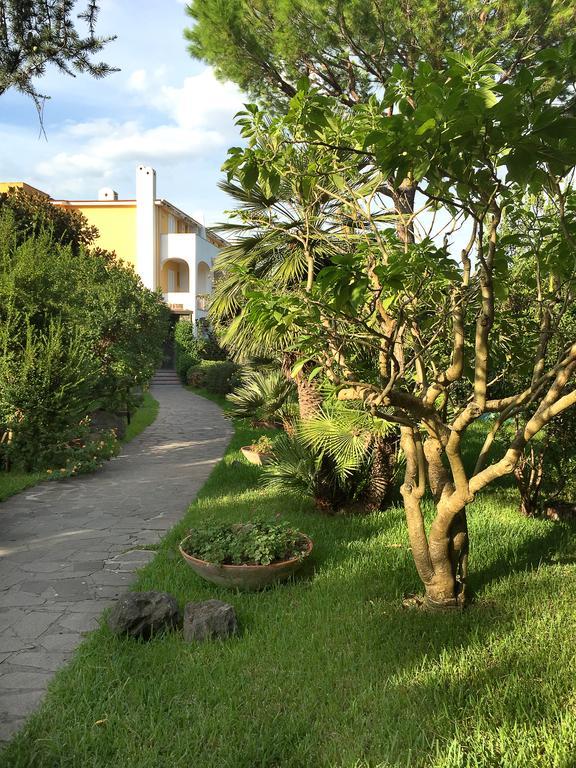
201,100
125,144
138,80
196,118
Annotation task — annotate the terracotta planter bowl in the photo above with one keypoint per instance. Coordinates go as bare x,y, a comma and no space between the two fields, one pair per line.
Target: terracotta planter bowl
245,577
254,457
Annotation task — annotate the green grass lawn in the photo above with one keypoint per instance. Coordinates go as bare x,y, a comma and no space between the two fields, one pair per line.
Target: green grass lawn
330,671
14,482
142,417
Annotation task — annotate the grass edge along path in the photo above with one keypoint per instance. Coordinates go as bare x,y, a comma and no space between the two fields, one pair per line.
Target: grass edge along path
143,417
15,482
330,671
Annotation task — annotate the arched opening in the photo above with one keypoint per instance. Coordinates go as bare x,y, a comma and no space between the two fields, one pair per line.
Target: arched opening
175,276
203,281
203,286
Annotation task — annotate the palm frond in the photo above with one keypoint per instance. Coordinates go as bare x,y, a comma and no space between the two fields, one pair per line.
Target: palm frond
344,434
294,468
261,395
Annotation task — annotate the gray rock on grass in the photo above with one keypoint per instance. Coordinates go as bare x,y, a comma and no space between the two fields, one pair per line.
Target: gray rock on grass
209,620
143,614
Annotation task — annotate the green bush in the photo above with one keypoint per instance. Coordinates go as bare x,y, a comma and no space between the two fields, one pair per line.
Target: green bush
298,468
262,396
123,323
78,331
343,458
211,349
217,376
46,391
33,214
194,342
85,455
187,348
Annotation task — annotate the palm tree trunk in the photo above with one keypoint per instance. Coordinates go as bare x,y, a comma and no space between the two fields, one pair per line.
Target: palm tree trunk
309,397
382,471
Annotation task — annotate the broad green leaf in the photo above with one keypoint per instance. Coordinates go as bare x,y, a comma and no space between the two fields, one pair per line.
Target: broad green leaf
426,126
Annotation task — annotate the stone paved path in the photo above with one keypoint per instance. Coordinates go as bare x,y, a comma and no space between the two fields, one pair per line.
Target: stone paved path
69,548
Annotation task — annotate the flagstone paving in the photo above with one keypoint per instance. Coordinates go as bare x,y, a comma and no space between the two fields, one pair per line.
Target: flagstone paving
68,549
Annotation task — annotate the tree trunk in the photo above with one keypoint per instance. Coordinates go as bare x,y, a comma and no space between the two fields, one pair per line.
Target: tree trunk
449,555
441,557
309,398
529,474
382,471
443,564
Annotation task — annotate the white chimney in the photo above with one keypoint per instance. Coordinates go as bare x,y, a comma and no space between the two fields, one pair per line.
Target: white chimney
107,193
146,226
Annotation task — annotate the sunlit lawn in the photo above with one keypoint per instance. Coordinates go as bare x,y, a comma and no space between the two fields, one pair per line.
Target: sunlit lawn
331,671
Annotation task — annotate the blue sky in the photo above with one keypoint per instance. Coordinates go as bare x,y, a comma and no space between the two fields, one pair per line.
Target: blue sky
163,109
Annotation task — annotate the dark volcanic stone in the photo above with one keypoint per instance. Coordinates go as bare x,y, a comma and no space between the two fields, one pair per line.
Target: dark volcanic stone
142,614
209,620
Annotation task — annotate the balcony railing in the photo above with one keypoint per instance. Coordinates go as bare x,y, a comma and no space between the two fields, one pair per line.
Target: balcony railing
179,300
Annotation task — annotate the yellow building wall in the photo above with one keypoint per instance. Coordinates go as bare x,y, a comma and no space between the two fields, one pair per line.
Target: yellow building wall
162,221
117,227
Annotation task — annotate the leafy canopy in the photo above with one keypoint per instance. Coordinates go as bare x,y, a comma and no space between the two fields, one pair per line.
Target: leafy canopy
348,49
412,314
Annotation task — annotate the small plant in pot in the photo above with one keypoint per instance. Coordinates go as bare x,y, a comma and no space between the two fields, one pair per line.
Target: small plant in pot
259,452
245,556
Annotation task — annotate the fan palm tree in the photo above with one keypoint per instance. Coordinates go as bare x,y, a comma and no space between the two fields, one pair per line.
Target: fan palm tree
278,243
262,396
284,240
332,458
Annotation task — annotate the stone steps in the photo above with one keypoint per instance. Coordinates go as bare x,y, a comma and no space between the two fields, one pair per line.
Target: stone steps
166,377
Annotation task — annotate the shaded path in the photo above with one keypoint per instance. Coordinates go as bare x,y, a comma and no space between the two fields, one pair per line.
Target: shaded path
67,548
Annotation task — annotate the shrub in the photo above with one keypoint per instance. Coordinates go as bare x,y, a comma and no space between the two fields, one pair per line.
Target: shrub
211,349
343,458
187,348
78,330
298,468
262,396
34,214
217,376
85,455
545,472
123,324
194,342
46,391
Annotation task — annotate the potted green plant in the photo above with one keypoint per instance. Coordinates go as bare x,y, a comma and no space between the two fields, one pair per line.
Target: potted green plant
245,556
259,452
